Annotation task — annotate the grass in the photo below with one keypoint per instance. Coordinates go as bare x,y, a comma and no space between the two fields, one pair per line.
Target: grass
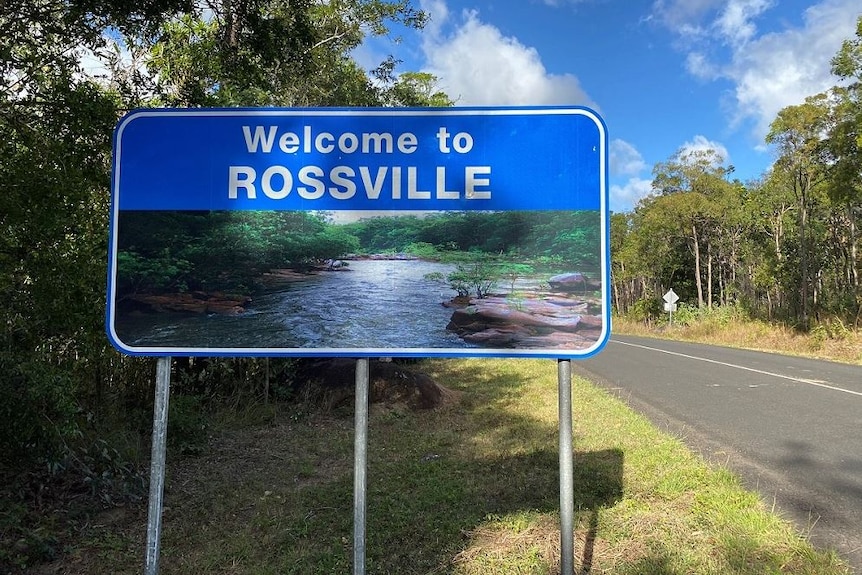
830,340
468,488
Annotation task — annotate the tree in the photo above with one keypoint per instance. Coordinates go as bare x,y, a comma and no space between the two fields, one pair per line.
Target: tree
769,207
622,280
844,146
655,249
55,135
692,180
478,276
417,89
285,53
798,133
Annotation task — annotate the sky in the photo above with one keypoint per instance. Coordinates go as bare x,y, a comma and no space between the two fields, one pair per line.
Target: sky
665,75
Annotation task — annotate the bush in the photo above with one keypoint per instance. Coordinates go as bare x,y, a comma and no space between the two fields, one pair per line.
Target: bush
722,316
685,315
37,410
646,310
422,250
479,277
187,425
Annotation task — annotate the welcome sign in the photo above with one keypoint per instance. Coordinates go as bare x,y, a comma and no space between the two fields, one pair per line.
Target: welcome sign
258,232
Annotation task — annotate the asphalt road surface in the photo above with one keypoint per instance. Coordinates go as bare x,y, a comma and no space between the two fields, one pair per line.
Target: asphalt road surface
790,427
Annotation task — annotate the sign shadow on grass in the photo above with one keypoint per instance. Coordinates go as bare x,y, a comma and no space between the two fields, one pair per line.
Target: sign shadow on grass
502,472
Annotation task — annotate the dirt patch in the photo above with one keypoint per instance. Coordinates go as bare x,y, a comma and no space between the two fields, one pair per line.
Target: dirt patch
390,383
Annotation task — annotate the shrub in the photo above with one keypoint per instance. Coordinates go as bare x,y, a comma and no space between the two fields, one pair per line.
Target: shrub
646,310
187,426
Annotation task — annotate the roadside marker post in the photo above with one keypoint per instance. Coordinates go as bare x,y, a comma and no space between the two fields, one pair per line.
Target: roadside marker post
670,299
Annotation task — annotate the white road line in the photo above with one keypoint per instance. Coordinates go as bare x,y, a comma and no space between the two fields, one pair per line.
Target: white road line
760,371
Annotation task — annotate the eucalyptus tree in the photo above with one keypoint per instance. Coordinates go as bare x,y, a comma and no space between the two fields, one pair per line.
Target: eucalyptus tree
844,146
623,281
798,133
771,207
416,89
733,221
692,181
654,250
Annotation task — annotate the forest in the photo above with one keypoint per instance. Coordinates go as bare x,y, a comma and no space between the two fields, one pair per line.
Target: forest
73,410
164,252
784,247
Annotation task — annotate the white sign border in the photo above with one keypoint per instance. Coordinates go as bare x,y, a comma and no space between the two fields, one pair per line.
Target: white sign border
363,352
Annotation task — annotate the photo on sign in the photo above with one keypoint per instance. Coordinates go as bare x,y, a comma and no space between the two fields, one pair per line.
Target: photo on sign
340,280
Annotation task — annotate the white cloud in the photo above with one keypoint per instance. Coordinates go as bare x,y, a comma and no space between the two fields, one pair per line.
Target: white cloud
477,65
625,197
625,160
702,144
735,21
729,20
768,72
438,14
781,69
699,66
683,16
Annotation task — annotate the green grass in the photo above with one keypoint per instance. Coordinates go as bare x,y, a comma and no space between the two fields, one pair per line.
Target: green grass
468,488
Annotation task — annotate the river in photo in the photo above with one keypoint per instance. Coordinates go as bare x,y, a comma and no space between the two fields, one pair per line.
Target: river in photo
372,304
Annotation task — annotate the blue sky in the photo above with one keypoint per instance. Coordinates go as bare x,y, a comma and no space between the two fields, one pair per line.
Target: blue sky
666,75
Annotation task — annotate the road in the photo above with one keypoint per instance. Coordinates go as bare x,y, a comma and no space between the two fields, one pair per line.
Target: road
790,427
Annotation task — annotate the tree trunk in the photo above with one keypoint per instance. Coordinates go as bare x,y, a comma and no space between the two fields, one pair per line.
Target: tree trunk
854,266
803,250
778,232
769,303
709,275
854,251
698,281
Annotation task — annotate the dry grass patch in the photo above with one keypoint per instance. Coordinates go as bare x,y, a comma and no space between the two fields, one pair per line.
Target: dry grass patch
831,340
522,543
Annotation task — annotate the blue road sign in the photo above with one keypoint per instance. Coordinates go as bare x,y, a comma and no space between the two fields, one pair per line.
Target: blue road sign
345,164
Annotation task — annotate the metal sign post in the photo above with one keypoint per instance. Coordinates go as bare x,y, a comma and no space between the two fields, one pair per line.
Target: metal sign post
157,465
567,530
360,465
